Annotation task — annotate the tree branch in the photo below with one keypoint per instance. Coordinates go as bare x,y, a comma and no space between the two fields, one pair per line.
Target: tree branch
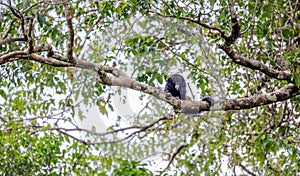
285,93
236,27
53,62
9,28
122,80
256,65
14,39
119,78
14,11
282,94
30,36
197,21
6,57
71,33
247,170
178,150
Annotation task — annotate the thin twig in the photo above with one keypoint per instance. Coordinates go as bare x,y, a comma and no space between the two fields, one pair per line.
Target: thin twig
174,155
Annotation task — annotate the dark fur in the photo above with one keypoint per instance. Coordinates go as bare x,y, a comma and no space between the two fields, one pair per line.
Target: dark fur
170,87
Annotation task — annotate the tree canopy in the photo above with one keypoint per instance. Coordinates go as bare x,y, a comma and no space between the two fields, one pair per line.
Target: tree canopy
57,56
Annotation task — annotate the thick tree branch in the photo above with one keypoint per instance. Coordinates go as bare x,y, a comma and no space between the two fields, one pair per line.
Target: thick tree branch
256,65
116,77
71,33
53,62
17,55
14,39
236,27
285,93
282,94
4,58
30,36
122,80
119,79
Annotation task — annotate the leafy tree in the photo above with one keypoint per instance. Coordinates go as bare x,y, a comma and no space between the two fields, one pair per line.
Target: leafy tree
58,55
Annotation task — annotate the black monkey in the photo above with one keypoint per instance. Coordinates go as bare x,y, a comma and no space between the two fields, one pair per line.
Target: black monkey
176,86
209,100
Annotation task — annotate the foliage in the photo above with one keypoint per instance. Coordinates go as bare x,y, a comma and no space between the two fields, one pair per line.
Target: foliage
43,90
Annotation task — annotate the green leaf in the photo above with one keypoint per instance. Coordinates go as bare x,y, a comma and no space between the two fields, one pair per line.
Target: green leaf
159,78
297,79
274,147
287,33
3,94
41,19
261,136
